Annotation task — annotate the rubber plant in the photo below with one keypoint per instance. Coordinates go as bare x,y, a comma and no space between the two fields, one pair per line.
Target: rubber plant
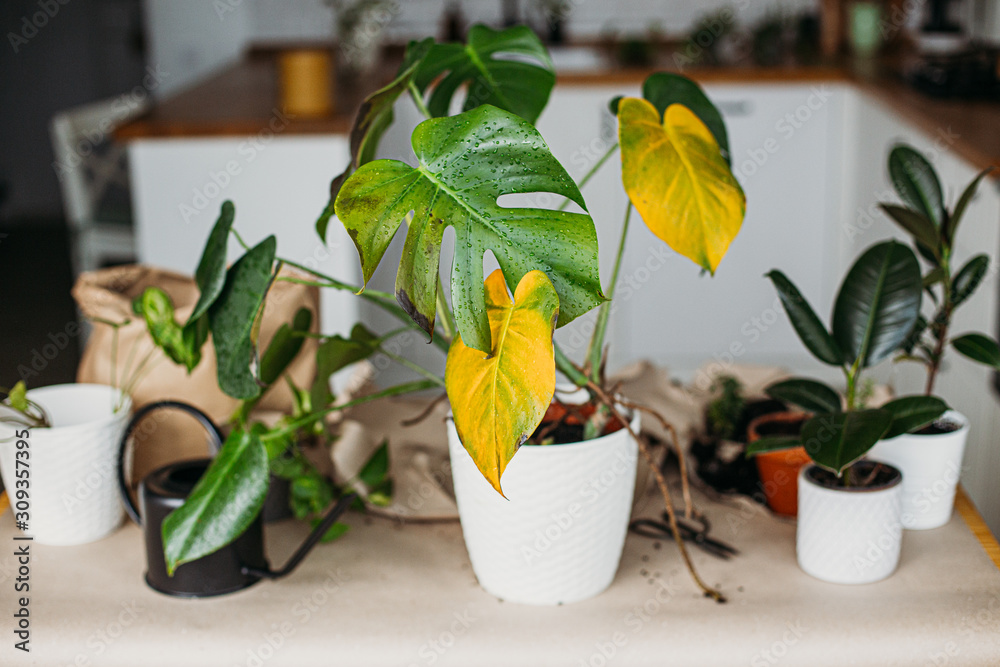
502,361
933,229
876,308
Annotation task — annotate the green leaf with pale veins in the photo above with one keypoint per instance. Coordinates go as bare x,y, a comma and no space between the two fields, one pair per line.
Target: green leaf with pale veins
806,323
835,441
234,318
910,413
917,183
466,163
223,503
808,394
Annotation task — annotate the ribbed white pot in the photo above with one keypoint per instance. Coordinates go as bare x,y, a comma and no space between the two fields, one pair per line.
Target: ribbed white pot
71,485
559,537
931,466
848,536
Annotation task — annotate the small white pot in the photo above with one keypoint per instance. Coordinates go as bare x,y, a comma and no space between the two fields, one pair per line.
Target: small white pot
848,536
72,467
931,466
559,537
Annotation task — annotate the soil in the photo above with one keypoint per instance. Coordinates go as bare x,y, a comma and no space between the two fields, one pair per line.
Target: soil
939,427
863,476
563,424
722,465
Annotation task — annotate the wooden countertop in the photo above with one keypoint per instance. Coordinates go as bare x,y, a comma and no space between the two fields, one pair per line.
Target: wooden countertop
243,101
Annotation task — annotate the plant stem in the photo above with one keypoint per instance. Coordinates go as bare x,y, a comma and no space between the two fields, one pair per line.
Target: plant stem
416,368
418,99
397,390
596,349
940,330
444,314
569,369
590,174
383,300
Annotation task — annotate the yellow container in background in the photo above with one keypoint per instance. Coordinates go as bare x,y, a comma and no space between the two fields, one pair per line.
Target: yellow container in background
306,82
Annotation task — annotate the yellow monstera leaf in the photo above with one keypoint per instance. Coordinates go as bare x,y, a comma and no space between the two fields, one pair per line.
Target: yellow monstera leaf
499,400
678,181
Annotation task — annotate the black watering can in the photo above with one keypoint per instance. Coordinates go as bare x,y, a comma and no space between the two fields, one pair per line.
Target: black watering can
232,568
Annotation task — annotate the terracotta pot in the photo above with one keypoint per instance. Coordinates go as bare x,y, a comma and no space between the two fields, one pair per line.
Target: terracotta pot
779,470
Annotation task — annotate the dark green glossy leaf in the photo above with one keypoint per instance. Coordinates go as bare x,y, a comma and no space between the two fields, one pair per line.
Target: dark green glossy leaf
377,467
466,163
963,202
285,346
807,394
234,319
336,353
916,224
807,325
911,413
665,88
926,252
372,120
836,441
978,347
516,86
222,505
772,443
933,277
210,276
878,303
968,278
917,183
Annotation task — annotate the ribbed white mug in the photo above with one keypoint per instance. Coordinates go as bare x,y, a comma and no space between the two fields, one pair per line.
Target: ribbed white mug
72,489
559,536
931,467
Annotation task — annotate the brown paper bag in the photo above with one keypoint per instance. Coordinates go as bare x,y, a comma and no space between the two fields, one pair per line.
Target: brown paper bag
167,436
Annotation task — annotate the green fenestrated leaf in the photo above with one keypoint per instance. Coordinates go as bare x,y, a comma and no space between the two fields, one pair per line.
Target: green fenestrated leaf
968,278
771,444
516,86
285,346
234,319
878,303
979,348
466,163
182,345
372,120
665,88
963,202
917,183
807,325
336,353
210,275
918,225
910,413
808,394
835,441
223,503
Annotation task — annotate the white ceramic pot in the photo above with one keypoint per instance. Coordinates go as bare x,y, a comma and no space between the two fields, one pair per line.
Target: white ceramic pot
72,483
559,537
931,466
848,536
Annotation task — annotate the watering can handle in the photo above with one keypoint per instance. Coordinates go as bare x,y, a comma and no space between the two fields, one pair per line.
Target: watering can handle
203,419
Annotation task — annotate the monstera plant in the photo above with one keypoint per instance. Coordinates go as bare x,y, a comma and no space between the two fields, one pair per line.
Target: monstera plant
497,332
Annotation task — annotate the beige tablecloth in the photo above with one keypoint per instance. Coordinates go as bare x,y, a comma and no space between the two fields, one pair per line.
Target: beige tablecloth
393,594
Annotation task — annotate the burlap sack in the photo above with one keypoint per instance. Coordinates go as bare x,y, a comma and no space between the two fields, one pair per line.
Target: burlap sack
167,435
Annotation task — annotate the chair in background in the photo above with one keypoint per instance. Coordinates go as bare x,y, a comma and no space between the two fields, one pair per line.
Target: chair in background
93,176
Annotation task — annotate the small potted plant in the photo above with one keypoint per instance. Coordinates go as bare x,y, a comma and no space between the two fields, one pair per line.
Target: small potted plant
931,458
58,448
849,507
779,469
